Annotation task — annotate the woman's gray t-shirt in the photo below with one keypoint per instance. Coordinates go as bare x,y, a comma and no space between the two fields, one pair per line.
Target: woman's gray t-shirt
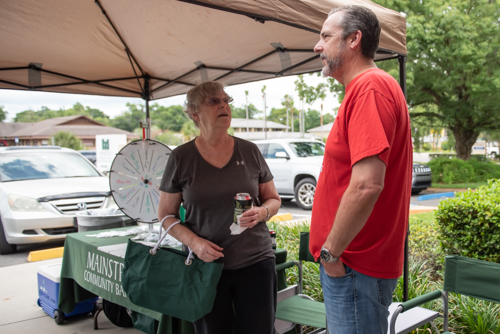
208,196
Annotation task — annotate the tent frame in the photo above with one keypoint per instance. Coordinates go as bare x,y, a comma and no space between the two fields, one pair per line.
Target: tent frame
35,71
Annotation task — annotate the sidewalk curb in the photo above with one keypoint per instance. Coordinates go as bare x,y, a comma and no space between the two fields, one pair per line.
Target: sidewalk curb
45,254
281,218
435,196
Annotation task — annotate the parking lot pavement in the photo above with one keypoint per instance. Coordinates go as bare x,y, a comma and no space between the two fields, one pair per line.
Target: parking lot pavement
21,313
432,201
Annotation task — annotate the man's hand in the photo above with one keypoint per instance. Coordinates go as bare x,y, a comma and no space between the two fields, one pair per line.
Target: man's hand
334,269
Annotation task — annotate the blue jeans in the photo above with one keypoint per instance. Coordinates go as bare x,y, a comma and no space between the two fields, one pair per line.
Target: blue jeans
356,303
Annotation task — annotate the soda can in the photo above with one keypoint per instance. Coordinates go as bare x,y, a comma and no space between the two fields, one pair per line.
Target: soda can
273,239
242,202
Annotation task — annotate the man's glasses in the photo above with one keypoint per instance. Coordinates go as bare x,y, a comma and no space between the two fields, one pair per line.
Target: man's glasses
215,101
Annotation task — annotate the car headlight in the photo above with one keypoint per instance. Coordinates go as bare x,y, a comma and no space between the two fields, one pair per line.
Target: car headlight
22,203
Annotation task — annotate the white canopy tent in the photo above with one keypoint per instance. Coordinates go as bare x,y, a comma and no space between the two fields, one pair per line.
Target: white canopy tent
159,48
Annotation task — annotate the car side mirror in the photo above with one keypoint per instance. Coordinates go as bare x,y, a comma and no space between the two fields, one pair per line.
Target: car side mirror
282,155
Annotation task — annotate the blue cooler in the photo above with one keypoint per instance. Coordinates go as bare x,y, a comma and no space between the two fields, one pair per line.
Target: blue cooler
49,277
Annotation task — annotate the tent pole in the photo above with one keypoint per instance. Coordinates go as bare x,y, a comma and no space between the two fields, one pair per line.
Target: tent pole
402,83
146,98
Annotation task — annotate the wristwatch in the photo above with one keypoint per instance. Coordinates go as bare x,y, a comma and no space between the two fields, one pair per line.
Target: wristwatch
327,257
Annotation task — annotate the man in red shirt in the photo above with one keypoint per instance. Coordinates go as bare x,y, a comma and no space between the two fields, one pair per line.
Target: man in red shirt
361,205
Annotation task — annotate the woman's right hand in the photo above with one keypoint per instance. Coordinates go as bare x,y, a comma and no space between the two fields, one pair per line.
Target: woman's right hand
207,251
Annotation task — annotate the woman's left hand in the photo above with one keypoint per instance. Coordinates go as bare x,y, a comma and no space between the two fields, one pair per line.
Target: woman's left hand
253,216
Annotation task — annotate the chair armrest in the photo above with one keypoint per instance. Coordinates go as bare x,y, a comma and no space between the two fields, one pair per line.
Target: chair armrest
284,265
417,301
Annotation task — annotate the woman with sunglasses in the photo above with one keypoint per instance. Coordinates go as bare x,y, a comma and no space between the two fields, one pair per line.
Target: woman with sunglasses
205,175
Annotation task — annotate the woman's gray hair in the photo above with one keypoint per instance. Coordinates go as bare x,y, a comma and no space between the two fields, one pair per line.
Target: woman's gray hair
363,19
198,94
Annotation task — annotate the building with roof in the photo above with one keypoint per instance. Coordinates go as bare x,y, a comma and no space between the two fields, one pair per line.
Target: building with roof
253,129
321,131
40,133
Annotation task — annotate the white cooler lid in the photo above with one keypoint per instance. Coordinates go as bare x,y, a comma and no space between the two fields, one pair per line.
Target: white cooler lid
51,271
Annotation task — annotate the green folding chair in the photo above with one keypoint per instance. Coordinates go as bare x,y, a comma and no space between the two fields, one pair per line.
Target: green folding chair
294,307
464,276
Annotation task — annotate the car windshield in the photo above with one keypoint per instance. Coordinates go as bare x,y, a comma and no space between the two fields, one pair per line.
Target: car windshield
43,165
308,149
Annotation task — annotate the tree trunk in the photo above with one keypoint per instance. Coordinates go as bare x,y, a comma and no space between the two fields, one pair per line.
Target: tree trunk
464,140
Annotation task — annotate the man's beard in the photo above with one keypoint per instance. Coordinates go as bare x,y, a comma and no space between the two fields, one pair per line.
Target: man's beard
333,64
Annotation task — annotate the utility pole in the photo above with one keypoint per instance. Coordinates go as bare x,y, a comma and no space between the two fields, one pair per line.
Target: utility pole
246,106
265,116
321,122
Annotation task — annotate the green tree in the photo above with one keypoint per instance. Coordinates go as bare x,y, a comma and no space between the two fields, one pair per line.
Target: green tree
277,115
3,113
288,103
79,109
130,119
189,131
168,118
28,116
169,138
312,119
453,63
32,116
328,118
241,112
309,94
67,139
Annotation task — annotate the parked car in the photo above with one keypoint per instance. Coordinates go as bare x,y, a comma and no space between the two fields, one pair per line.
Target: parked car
91,155
492,149
295,164
41,189
421,178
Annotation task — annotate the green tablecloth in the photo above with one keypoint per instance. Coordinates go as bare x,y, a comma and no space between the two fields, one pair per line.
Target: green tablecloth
88,272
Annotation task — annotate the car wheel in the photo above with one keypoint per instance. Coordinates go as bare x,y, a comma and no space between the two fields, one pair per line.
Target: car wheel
493,155
5,247
304,193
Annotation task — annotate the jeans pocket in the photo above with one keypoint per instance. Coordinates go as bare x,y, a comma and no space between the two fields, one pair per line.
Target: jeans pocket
348,273
385,289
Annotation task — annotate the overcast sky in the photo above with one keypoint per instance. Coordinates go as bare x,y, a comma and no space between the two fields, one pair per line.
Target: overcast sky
17,101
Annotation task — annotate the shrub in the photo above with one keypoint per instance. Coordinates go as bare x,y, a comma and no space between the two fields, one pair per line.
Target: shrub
447,145
423,243
426,147
467,315
288,237
445,170
67,139
470,223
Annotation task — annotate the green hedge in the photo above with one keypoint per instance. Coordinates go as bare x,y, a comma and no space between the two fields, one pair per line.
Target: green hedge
449,171
470,223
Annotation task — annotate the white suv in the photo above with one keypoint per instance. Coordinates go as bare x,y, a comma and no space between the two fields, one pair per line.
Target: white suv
295,164
41,189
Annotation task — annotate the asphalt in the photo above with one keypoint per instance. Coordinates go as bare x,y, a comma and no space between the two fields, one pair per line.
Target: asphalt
20,313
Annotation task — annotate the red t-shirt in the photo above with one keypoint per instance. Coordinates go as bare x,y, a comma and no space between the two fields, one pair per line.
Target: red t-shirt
372,120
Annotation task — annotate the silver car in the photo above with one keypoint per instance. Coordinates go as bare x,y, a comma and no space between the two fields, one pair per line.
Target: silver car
421,178
41,189
295,165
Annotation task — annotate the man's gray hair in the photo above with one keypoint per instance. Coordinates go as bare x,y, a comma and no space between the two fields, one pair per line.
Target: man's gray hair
198,94
363,19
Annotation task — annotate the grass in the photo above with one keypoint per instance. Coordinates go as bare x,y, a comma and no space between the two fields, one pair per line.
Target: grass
471,185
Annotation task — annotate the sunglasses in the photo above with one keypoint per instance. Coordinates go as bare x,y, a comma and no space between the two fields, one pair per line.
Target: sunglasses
215,101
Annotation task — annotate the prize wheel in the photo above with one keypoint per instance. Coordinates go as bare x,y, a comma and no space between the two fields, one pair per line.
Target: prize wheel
135,178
